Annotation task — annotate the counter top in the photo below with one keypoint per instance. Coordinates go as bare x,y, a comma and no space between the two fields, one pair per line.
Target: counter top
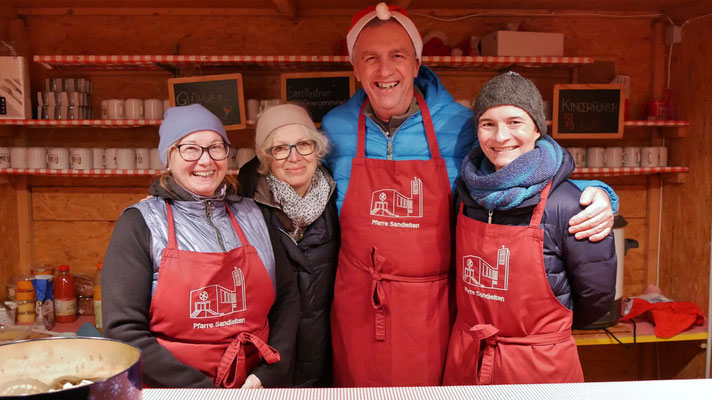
671,389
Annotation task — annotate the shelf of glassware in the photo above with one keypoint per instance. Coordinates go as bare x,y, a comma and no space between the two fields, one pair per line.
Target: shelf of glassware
87,172
586,172
644,333
158,62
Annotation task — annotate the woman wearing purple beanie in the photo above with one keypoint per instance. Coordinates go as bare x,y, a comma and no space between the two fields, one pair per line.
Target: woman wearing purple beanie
194,277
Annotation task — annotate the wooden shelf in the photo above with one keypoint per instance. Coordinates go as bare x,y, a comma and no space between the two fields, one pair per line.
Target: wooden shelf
645,333
586,172
87,172
650,124
172,62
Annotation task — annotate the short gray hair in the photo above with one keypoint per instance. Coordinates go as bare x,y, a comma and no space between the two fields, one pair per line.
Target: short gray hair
265,157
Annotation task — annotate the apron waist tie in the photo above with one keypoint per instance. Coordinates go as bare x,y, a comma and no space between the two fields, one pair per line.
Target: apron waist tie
378,293
489,334
229,368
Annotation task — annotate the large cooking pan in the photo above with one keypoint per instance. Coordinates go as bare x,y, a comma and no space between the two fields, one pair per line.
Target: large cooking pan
32,366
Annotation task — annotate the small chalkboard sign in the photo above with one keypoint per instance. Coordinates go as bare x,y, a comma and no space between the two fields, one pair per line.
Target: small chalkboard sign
221,94
319,92
588,111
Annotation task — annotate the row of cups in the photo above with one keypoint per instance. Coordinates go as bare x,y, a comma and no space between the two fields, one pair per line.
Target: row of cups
97,158
133,108
597,157
79,158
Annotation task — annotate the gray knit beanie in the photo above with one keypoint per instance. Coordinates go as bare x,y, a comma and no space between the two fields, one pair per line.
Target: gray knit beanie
179,122
511,89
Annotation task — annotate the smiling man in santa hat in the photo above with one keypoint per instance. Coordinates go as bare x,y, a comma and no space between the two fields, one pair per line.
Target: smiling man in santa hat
397,148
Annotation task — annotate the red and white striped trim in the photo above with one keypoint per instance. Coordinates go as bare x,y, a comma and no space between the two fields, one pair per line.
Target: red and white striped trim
670,123
589,172
88,172
104,123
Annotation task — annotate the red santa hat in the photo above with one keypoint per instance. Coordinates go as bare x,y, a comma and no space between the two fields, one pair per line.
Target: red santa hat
383,12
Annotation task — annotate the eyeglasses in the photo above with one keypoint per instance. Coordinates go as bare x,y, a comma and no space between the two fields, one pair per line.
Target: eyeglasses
282,151
193,152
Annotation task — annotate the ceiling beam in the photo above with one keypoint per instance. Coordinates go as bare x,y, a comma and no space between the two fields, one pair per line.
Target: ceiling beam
286,7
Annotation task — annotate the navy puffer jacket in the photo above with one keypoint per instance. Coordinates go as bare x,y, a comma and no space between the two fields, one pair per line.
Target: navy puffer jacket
581,274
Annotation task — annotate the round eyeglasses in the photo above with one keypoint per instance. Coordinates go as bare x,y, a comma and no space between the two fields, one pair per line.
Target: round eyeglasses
193,152
282,151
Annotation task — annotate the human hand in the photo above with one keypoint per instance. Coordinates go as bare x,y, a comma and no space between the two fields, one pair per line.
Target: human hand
596,220
252,382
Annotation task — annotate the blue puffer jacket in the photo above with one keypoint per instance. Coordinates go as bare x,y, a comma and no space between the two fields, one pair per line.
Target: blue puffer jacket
581,274
452,122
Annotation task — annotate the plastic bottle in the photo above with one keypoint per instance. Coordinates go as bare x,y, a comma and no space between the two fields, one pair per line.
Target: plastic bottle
97,298
65,297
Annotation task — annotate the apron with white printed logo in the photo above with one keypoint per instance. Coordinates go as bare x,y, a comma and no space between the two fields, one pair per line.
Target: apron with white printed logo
510,328
390,316
210,309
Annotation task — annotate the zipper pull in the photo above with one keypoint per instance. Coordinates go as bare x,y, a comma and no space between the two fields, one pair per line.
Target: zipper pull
489,216
390,148
207,208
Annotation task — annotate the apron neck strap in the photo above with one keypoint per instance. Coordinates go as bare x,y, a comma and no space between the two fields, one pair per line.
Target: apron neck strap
539,210
427,123
173,243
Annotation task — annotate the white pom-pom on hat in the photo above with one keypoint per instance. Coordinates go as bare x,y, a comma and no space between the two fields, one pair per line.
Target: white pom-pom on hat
382,11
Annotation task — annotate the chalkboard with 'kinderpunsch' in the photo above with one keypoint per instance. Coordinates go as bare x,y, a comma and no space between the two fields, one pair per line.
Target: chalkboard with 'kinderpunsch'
588,111
319,92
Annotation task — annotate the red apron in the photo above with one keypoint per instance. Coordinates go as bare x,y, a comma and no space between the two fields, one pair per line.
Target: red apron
509,323
220,327
390,317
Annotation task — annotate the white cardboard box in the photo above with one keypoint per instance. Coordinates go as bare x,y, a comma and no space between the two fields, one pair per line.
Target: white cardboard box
515,43
14,88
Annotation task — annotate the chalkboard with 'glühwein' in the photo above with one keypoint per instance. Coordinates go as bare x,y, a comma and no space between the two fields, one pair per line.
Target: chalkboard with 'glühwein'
319,92
588,111
221,94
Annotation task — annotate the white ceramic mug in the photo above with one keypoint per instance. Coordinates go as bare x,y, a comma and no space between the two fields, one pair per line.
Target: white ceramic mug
631,156
125,159
115,109
253,109
153,108
110,154
4,157
105,109
143,160
663,160
154,159
595,157
58,158
36,157
81,158
649,156
614,157
18,157
98,158
134,109
579,155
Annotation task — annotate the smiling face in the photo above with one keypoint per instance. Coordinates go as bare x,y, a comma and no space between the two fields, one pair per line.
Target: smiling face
203,176
384,62
505,133
297,170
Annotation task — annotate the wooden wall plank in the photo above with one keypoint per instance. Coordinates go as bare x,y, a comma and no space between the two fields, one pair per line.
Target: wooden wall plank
82,204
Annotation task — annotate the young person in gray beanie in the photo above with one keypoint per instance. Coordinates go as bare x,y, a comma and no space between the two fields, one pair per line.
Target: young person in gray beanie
194,277
296,196
523,280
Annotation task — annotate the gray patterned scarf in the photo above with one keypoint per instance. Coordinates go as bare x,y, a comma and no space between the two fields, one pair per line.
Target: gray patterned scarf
302,211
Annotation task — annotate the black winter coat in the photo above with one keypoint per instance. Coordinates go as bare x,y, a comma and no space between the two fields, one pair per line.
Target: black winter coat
581,274
313,260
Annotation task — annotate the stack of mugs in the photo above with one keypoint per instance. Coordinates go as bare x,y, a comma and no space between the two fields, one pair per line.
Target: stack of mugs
133,108
615,157
65,98
96,158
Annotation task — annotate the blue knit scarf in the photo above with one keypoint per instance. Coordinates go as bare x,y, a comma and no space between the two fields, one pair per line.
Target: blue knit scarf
521,179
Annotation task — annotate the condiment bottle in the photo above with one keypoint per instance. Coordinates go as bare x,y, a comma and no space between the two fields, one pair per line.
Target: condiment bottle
65,297
97,298
26,297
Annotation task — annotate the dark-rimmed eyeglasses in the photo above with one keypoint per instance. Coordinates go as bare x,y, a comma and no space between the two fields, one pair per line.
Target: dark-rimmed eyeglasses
193,152
282,151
